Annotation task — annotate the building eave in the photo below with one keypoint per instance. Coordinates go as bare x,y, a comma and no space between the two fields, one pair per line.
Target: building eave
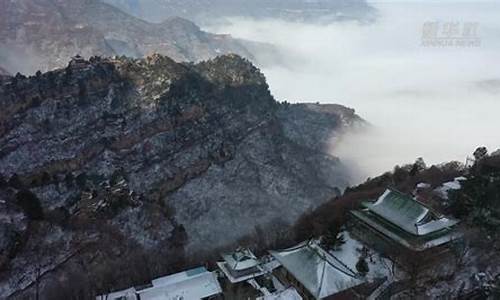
403,238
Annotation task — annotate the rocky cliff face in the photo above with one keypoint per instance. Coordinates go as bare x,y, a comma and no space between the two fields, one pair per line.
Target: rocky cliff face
45,34
108,161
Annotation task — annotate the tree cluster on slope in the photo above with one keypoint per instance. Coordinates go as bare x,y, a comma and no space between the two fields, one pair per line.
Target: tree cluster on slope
479,198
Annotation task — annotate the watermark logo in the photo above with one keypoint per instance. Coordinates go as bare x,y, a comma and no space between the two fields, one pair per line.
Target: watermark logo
450,34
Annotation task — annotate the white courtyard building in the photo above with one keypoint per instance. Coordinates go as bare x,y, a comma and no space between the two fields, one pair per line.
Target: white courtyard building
194,284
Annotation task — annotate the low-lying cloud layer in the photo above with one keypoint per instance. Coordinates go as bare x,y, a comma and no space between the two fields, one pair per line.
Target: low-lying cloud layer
424,100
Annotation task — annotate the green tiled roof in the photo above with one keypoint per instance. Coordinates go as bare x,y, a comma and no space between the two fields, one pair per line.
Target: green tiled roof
402,237
408,214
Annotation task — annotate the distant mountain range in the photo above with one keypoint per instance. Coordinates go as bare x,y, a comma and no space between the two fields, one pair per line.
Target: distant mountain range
3,72
45,34
202,11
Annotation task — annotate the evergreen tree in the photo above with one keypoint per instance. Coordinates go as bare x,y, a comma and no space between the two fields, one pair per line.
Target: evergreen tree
362,266
3,182
30,204
418,166
333,239
15,182
480,153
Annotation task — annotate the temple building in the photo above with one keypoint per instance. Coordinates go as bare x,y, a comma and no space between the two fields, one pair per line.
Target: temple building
241,265
396,219
317,274
194,284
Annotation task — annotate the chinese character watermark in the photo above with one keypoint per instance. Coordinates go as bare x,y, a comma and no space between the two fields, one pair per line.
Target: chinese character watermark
450,34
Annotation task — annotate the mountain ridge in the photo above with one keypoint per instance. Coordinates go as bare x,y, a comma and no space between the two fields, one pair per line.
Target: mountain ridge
212,11
43,35
109,160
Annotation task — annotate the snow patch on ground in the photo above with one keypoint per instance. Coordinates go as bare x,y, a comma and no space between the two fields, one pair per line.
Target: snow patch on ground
350,252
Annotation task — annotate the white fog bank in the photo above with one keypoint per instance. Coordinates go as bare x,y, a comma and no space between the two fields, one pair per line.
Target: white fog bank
438,103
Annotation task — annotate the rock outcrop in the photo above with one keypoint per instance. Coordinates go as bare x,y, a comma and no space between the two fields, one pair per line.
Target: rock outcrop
45,34
113,159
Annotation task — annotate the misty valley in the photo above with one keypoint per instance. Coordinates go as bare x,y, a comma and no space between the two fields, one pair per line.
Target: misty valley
271,150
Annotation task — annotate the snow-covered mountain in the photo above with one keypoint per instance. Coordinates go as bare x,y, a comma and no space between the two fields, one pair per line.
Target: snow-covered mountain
110,161
45,34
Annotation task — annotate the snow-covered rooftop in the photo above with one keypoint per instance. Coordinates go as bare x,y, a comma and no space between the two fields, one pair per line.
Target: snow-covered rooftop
261,269
318,271
193,284
128,294
443,190
403,239
241,259
408,214
423,185
288,294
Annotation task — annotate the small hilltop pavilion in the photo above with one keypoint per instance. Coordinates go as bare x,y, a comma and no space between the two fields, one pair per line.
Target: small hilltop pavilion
398,222
252,277
240,265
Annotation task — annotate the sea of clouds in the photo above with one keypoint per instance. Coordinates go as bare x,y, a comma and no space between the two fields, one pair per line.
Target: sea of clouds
423,98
